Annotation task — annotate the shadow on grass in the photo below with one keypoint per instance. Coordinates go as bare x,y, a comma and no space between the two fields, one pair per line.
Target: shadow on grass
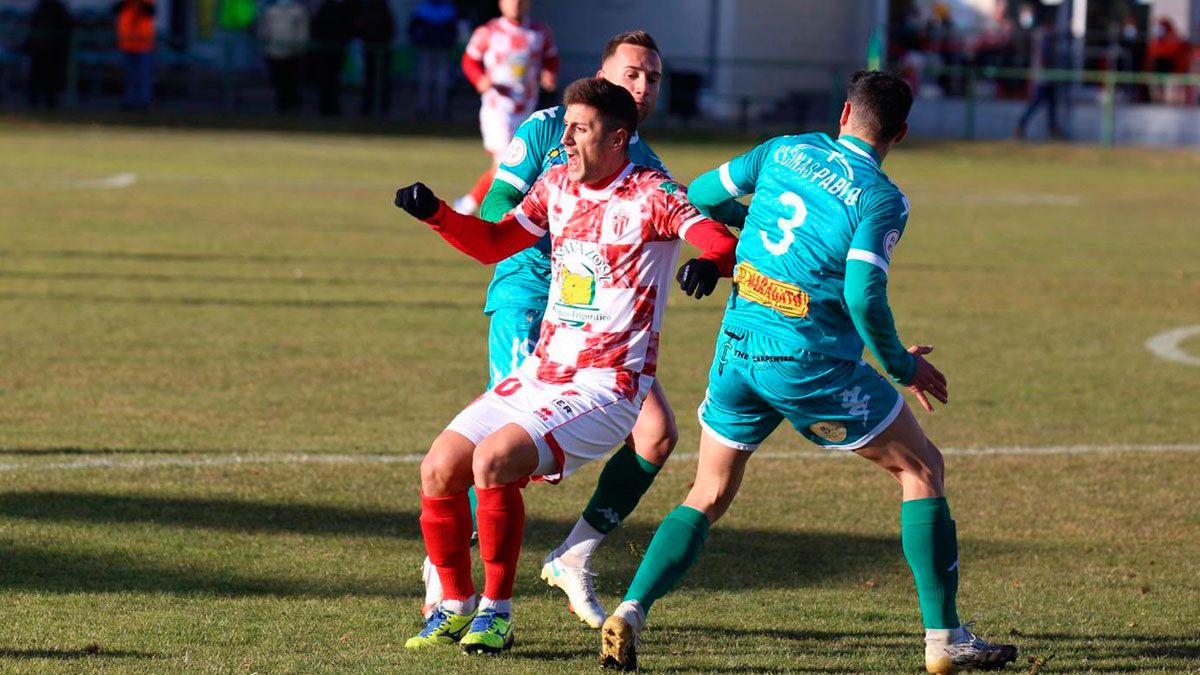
813,558
92,652
288,303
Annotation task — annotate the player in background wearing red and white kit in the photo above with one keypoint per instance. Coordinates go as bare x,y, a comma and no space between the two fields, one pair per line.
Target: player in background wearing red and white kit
506,60
614,232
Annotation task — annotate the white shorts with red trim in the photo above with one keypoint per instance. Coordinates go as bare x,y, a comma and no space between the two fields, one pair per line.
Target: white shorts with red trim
571,424
498,126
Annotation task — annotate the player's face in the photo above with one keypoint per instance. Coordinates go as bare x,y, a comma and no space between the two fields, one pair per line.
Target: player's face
593,153
514,10
640,71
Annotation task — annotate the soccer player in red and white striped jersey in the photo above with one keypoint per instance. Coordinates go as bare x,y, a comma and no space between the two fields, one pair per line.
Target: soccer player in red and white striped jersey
615,231
506,60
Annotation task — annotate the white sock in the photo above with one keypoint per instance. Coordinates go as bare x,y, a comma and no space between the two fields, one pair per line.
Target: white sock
459,607
465,205
577,549
632,612
501,606
941,637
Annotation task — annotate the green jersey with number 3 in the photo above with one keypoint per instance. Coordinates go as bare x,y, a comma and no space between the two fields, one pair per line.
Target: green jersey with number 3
818,204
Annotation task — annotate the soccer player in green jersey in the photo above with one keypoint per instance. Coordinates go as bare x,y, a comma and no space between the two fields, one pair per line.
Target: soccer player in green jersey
516,301
810,291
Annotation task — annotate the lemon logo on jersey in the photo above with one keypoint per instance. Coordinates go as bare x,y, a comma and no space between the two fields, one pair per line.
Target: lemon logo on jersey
556,156
579,267
834,432
578,289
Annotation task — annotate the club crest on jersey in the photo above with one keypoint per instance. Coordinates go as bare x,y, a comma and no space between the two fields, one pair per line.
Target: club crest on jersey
579,268
516,152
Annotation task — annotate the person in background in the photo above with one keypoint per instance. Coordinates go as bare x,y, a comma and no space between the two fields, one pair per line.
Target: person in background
433,30
377,27
332,29
507,60
49,47
1167,54
135,40
283,31
1044,56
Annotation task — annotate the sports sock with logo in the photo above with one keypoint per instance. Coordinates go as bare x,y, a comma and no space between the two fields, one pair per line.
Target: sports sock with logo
446,527
930,544
674,549
625,478
501,516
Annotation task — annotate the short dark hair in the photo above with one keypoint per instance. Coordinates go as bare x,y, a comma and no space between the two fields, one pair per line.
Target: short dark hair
614,103
880,100
637,38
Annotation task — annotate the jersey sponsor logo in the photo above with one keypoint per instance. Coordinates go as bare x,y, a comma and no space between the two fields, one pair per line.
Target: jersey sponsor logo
787,299
580,268
516,152
889,243
834,432
556,156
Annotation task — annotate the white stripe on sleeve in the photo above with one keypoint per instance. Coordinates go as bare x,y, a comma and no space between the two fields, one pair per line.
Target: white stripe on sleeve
727,182
512,179
687,225
868,257
528,224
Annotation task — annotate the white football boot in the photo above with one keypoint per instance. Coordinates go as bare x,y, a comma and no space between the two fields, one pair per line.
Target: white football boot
962,650
576,582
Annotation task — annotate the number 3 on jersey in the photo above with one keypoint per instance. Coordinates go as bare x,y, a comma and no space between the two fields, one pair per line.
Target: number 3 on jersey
799,213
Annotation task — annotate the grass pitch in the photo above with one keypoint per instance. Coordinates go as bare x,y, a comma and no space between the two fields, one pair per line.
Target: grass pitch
256,296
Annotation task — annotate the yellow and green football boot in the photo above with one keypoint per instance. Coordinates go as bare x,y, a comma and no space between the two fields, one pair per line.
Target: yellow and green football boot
441,628
491,633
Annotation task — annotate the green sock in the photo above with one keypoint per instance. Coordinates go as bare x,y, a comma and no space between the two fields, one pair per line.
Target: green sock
673,550
625,478
474,505
931,547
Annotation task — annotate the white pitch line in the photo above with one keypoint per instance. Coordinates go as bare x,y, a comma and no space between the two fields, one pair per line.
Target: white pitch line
1166,345
414,458
113,182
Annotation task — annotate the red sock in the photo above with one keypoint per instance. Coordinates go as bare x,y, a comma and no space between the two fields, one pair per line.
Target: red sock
481,187
501,516
446,526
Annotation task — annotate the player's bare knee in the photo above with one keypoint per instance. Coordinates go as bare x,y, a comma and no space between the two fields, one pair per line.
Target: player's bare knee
439,474
655,445
712,500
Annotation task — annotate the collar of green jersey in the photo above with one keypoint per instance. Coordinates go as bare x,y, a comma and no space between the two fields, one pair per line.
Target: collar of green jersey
861,145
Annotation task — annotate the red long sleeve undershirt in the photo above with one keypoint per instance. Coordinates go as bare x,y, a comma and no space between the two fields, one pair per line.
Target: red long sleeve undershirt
487,242
716,243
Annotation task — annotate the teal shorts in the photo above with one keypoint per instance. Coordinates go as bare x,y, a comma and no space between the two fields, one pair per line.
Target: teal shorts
512,335
755,383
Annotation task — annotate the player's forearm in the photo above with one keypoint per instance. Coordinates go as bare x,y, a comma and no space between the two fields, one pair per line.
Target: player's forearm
715,242
866,300
484,241
708,194
500,199
730,213
473,69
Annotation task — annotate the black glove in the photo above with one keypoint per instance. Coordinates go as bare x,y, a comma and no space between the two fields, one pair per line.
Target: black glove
698,278
418,200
